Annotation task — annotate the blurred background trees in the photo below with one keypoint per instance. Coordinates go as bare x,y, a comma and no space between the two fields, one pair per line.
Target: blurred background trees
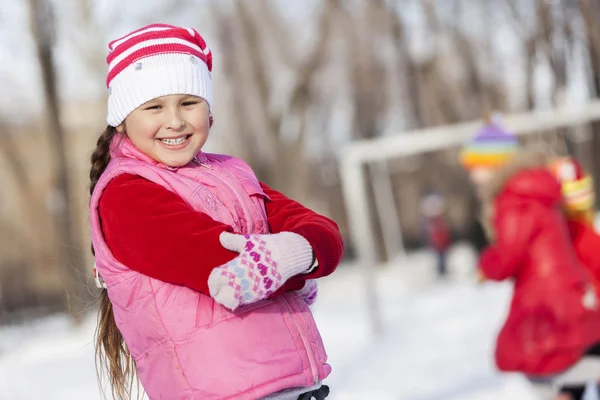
294,82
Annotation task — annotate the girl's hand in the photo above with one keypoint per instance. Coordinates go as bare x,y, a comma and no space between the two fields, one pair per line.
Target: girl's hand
264,264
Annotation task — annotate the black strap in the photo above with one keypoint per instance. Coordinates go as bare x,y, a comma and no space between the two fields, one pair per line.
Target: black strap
575,391
594,350
317,394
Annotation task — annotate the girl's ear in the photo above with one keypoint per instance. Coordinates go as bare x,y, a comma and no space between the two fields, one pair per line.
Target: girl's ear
121,128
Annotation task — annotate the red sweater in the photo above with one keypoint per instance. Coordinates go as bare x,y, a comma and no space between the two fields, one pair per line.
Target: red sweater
154,232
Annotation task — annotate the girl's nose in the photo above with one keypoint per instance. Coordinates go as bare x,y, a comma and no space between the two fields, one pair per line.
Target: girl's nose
174,121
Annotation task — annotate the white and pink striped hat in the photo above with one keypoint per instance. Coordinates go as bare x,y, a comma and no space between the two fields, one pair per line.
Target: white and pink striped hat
153,61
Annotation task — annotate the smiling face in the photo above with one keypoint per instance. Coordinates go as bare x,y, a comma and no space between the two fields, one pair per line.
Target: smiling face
170,129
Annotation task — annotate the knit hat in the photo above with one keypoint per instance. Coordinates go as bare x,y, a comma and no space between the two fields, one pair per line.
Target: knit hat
491,147
153,61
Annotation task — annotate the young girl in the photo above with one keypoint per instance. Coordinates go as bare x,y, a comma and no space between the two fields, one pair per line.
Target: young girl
578,194
207,273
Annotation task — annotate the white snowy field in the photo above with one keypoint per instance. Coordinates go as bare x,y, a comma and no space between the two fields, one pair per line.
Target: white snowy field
437,343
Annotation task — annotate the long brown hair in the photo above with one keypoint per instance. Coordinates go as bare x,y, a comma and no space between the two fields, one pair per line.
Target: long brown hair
112,354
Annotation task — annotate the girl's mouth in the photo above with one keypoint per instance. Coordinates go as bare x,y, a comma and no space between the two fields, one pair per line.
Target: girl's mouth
175,141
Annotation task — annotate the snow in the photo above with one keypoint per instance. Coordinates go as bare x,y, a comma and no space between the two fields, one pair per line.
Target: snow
437,343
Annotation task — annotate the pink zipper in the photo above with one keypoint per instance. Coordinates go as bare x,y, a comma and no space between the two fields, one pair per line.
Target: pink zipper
313,365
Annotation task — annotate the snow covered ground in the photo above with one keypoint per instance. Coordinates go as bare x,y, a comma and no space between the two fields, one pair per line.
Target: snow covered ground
437,343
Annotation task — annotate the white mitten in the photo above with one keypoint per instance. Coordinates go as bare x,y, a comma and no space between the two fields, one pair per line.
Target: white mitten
265,263
309,291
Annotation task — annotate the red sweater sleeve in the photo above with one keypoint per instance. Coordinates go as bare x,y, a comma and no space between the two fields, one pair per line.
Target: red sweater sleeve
153,231
322,233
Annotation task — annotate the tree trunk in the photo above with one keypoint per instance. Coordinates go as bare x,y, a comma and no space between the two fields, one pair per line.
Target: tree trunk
71,254
589,12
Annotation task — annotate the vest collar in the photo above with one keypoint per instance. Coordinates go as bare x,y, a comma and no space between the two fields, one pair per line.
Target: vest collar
122,147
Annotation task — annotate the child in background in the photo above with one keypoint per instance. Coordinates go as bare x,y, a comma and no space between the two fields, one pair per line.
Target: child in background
437,230
554,319
207,273
578,194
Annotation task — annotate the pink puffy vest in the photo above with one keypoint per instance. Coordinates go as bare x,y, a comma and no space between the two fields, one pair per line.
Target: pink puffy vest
185,345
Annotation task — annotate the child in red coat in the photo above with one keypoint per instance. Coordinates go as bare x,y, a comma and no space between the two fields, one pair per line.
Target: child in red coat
578,195
554,317
437,229
578,204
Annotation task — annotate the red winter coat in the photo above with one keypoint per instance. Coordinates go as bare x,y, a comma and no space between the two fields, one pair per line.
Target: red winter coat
553,316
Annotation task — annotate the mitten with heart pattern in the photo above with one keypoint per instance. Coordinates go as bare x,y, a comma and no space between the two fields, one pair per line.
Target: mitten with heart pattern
264,264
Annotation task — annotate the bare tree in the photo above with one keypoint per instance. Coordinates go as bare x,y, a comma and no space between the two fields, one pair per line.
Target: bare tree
590,11
529,38
15,287
71,253
247,38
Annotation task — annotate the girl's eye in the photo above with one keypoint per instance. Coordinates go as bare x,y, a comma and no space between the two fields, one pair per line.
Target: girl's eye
189,103
155,107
